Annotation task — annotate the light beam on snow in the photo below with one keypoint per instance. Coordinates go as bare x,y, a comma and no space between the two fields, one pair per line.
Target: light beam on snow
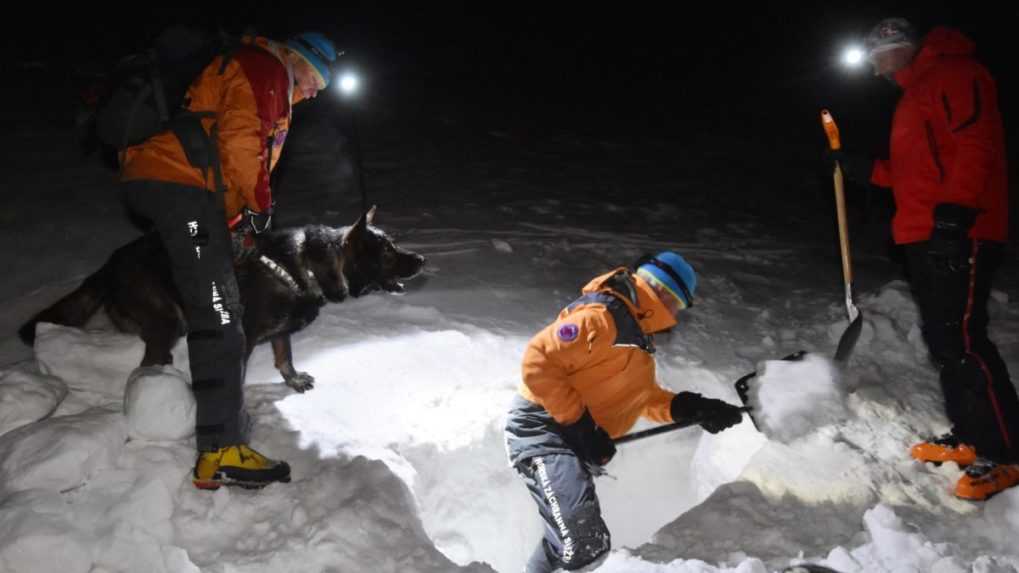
441,388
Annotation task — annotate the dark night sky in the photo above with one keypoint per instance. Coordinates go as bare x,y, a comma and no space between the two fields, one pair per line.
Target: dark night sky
627,67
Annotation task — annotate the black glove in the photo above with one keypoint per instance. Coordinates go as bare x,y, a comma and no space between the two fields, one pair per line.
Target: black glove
855,167
713,415
590,442
949,245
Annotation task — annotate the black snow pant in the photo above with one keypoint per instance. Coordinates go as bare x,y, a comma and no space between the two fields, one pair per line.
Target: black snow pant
980,400
575,534
192,226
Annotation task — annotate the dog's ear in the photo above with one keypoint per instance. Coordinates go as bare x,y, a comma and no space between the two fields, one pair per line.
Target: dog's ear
364,220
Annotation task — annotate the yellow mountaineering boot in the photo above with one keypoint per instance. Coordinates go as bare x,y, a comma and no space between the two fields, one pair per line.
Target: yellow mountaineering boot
238,465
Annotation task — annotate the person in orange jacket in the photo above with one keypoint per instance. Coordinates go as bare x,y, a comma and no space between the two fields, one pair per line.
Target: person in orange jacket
587,378
208,172
947,171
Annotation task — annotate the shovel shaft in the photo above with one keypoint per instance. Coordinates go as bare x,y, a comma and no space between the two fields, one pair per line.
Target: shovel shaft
831,130
840,205
652,432
662,429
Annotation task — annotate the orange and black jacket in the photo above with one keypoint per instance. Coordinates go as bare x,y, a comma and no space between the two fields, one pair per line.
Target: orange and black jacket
947,141
250,103
596,356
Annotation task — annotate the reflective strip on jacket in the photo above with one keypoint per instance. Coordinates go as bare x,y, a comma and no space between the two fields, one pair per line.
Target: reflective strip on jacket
574,364
251,100
947,141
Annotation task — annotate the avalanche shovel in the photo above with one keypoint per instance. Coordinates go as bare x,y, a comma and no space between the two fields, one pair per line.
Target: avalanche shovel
852,333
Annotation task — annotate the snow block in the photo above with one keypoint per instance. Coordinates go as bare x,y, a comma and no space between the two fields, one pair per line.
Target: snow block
93,360
97,361
27,396
896,544
159,405
792,398
60,453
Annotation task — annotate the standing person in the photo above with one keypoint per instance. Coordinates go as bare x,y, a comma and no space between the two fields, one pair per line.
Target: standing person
587,377
947,171
208,173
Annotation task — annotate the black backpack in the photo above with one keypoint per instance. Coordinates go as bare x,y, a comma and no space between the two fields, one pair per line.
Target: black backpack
149,89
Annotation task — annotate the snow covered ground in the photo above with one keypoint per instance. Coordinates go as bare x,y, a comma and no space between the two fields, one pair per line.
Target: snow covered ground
397,453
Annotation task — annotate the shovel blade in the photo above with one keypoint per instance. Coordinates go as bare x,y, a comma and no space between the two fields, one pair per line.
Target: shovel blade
743,386
849,338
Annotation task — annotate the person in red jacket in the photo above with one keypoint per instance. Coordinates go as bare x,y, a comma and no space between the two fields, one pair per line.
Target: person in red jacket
208,172
587,378
947,172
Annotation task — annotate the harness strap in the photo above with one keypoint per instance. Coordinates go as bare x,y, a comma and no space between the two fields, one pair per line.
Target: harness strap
279,271
628,331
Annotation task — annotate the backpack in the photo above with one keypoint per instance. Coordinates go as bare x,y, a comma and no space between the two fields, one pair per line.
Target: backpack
149,89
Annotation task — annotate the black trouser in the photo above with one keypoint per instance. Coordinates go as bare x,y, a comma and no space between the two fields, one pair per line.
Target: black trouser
980,399
192,225
575,534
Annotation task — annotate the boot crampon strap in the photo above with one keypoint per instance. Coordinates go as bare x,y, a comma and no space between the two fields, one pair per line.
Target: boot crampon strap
238,466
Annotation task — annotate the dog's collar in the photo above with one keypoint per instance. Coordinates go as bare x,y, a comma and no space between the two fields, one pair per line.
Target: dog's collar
280,272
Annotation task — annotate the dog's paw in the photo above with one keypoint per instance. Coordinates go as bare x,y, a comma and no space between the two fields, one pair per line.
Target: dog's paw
301,381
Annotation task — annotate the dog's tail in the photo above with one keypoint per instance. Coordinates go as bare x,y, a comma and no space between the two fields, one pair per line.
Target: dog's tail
74,309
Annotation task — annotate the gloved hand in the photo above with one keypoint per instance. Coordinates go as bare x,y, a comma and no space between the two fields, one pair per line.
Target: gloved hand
712,415
949,245
855,167
590,442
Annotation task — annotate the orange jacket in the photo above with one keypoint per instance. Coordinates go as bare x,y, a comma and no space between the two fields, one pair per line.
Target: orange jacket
574,364
251,100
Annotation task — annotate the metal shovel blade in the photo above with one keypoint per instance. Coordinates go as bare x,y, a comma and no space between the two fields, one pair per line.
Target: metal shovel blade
849,338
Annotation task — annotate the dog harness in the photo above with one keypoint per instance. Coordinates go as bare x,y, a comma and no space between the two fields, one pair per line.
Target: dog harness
281,273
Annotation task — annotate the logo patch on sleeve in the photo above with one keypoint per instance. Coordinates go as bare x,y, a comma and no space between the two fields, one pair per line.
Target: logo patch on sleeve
568,332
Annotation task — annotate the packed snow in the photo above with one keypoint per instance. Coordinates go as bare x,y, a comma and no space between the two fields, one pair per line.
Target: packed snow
792,398
159,405
397,453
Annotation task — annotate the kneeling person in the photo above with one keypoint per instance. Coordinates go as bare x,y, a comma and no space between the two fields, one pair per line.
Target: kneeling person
587,378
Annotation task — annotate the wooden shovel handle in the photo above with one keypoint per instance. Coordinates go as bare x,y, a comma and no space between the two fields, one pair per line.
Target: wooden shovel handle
832,131
840,204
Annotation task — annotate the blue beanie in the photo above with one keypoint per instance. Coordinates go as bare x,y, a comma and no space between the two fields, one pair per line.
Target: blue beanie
318,50
673,272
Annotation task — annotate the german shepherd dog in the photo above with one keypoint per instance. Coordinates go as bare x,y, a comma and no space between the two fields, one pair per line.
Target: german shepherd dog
284,278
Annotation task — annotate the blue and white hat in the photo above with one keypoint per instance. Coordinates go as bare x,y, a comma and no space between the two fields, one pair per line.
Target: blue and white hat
671,271
317,50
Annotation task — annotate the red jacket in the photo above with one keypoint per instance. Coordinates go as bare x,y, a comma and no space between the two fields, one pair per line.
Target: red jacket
947,141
